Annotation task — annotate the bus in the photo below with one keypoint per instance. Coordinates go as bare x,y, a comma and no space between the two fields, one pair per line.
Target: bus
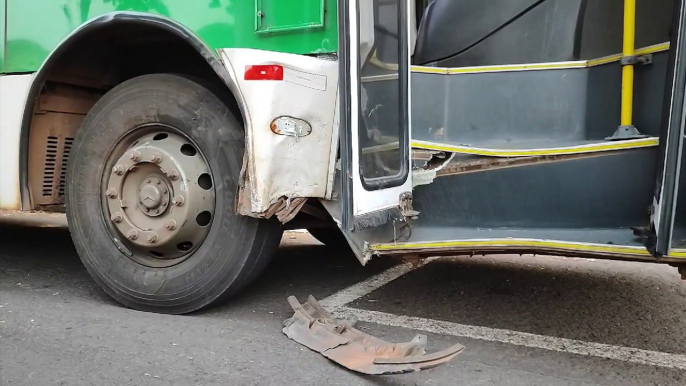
182,138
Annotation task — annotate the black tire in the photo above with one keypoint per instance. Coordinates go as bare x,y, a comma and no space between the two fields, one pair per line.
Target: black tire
236,249
331,237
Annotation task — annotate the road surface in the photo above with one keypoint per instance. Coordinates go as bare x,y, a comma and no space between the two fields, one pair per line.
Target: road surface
525,321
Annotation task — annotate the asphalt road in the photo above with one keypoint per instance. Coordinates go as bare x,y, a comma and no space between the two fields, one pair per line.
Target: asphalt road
58,328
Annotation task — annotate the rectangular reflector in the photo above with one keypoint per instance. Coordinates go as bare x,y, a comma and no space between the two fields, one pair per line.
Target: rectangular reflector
264,72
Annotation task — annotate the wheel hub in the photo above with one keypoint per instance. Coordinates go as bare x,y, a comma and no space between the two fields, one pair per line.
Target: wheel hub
160,196
153,196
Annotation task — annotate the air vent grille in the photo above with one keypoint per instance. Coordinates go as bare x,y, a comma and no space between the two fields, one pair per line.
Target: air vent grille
66,149
50,165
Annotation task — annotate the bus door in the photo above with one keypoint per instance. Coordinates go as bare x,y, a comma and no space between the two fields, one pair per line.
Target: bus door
671,141
374,109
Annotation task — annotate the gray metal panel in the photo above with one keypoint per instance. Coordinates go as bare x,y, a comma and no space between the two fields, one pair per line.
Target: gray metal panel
603,26
429,101
613,190
526,109
604,100
649,85
546,33
421,233
477,33
448,27
499,108
679,233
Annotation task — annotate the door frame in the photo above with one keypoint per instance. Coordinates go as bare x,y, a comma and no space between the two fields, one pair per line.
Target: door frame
671,140
362,198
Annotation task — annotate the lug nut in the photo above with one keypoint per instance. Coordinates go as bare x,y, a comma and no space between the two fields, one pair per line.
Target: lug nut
173,175
111,193
118,170
152,238
117,217
156,158
132,234
178,200
135,156
171,225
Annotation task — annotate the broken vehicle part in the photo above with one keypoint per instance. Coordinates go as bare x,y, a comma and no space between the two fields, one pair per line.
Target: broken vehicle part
337,339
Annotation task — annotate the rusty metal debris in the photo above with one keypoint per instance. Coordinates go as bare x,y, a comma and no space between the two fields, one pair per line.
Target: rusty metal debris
314,327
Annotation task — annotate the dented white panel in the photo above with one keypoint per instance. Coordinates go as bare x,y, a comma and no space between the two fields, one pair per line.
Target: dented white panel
280,165
13,92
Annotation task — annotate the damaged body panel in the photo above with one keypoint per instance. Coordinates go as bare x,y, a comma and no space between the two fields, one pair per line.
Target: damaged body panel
315,328
285,161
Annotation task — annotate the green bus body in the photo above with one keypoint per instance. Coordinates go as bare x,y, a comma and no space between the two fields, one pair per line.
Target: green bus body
32,29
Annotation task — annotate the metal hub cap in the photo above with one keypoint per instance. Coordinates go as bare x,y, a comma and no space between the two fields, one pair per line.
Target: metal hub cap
160,196
153,196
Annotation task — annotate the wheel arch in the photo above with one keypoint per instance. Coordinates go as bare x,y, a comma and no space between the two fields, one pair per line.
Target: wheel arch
116,21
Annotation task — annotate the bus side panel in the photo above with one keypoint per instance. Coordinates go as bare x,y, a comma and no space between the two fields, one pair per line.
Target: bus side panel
36,27
3,21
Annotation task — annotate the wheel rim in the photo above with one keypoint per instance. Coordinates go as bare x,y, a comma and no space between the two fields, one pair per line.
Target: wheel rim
159,196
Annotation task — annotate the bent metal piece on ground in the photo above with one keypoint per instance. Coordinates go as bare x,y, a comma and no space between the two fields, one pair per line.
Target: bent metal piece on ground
182,137
338,340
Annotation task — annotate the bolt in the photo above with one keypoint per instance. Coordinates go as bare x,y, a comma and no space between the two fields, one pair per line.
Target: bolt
111,193
132,234
148,181
135,156
173,175
156,158
152,238
117,217
171,225
178,200
118,170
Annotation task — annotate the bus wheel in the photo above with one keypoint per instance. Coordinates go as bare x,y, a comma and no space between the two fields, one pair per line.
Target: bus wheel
152,180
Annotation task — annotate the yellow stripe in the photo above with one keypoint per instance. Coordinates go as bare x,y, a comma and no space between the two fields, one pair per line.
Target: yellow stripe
539,66
579,247
513,243
606,146
605,60
628,70
518,67
430,70
652,49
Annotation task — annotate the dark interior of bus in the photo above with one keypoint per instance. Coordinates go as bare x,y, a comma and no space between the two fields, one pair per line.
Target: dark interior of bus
482,117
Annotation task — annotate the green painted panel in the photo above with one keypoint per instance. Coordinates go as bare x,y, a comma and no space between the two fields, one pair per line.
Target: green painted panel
3,5
35,27
275,16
